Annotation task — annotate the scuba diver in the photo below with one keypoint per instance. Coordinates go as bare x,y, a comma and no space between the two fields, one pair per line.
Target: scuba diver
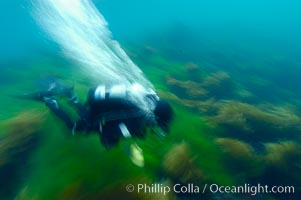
114,111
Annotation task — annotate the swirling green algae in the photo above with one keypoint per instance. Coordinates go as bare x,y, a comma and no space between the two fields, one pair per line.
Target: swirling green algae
61,160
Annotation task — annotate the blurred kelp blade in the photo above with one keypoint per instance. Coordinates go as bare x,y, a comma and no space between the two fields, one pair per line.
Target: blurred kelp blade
19,137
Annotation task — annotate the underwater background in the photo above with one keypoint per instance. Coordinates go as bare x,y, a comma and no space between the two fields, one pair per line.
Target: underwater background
231,70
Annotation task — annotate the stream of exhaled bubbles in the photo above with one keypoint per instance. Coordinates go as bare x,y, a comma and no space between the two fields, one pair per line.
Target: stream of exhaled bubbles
82,33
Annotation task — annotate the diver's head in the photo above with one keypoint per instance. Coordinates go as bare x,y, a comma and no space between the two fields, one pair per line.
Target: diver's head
164,114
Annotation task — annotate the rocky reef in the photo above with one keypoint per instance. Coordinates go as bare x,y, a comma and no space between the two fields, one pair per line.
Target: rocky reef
219,85
179,165
216,85
275,122
193,89
282,163
240,158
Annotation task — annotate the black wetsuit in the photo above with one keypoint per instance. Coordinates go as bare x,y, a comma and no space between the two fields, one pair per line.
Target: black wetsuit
112,118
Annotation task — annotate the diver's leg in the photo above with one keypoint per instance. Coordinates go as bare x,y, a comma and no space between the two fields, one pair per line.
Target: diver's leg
53,105
85,122
110,135
81,125
81,110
